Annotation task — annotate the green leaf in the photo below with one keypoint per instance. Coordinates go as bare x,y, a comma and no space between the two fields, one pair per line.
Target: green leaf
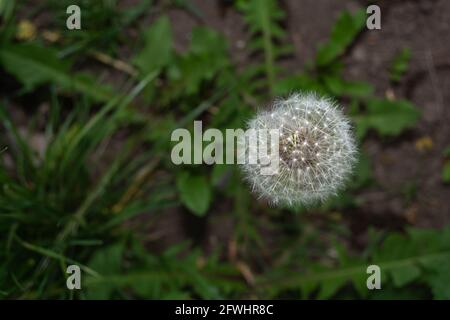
404,258
439,283
195,192
446,172
340,87
439,279
34,65
331,287
263,18
107,262
7,9
206,57
299,82
345,30
157,51
405,275
388,118
400,65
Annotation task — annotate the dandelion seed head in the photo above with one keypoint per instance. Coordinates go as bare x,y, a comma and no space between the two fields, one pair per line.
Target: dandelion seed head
317,151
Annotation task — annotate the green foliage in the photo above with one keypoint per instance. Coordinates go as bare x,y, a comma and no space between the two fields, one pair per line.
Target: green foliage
263,18
35,65
339,87
195,192
344,32
94,192
324,76
400,65
165,276
446,170
107,262
157,44
419,256
206,57
185,73
101,23
446,173
388,118
50,201
6,9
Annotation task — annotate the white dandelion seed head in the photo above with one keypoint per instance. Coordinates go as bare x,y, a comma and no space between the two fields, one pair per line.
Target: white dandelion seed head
317,151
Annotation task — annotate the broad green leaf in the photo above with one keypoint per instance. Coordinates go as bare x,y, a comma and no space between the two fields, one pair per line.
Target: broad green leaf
405,275
34,65
439,279
157,51
195,192
344,32
330,288
206,57
107,262
400,64
388,118
340,87
440,285
446,173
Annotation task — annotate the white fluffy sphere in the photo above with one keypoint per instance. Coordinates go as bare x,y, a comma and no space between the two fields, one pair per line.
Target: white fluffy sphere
316,151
